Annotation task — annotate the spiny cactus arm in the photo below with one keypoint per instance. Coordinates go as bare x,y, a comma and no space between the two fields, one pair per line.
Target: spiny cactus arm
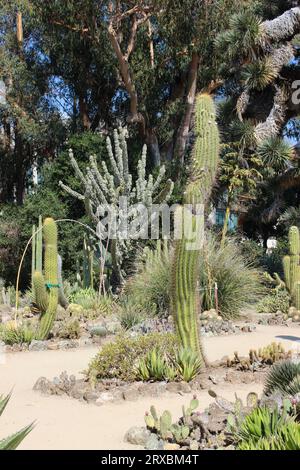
40,292
294,240
33,248
141,170
206,151
97,175
287,271
51,277
110,182
76,168
63,301
95,188
117,175
160,176
123,144
71,191
165,194
39,246
119,154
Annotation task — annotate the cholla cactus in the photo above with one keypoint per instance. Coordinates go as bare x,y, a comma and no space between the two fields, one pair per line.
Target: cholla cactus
103,188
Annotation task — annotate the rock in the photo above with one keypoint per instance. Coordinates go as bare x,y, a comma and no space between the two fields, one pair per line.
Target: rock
194,445
153,443
137,435
37,345
67,344
42,385
113,327
213,379
225,404
185,387
178,387
204,383
85,341
52,346
131,394
108,397
200,418
90,396
171,446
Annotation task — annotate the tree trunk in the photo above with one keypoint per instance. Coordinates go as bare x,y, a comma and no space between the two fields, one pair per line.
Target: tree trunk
83,112
184,128
153,147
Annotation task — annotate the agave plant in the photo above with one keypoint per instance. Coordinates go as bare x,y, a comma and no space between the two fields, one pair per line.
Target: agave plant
284,377
12,442
266,429
187,364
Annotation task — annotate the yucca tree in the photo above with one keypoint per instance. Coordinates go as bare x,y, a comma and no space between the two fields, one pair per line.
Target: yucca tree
12,442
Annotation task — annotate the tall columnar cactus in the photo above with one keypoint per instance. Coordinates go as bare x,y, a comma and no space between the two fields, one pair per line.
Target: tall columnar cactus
46,287
37,249
291,267
185,301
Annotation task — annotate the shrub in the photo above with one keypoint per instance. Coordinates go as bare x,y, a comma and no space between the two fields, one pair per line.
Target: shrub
276,300
87,298
150,286
284,376
13,441
20,334
131,313
119,359
69,329
237,279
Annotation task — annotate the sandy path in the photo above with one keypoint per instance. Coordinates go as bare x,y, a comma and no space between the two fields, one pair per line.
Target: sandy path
65,423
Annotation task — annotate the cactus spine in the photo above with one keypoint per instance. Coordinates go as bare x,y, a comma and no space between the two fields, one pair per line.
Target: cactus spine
46,288
291,267
184,292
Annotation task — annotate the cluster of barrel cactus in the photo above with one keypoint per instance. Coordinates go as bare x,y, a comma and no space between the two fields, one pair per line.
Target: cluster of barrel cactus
164,427
185,300
267,355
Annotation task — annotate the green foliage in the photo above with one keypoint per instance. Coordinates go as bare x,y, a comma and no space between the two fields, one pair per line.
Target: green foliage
87,298
237,279
20,334
276,153
276,300
69,329
259,74
13,441
149,287
153,366
284,377
119,359
187,364
177,432
265,429
131,313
